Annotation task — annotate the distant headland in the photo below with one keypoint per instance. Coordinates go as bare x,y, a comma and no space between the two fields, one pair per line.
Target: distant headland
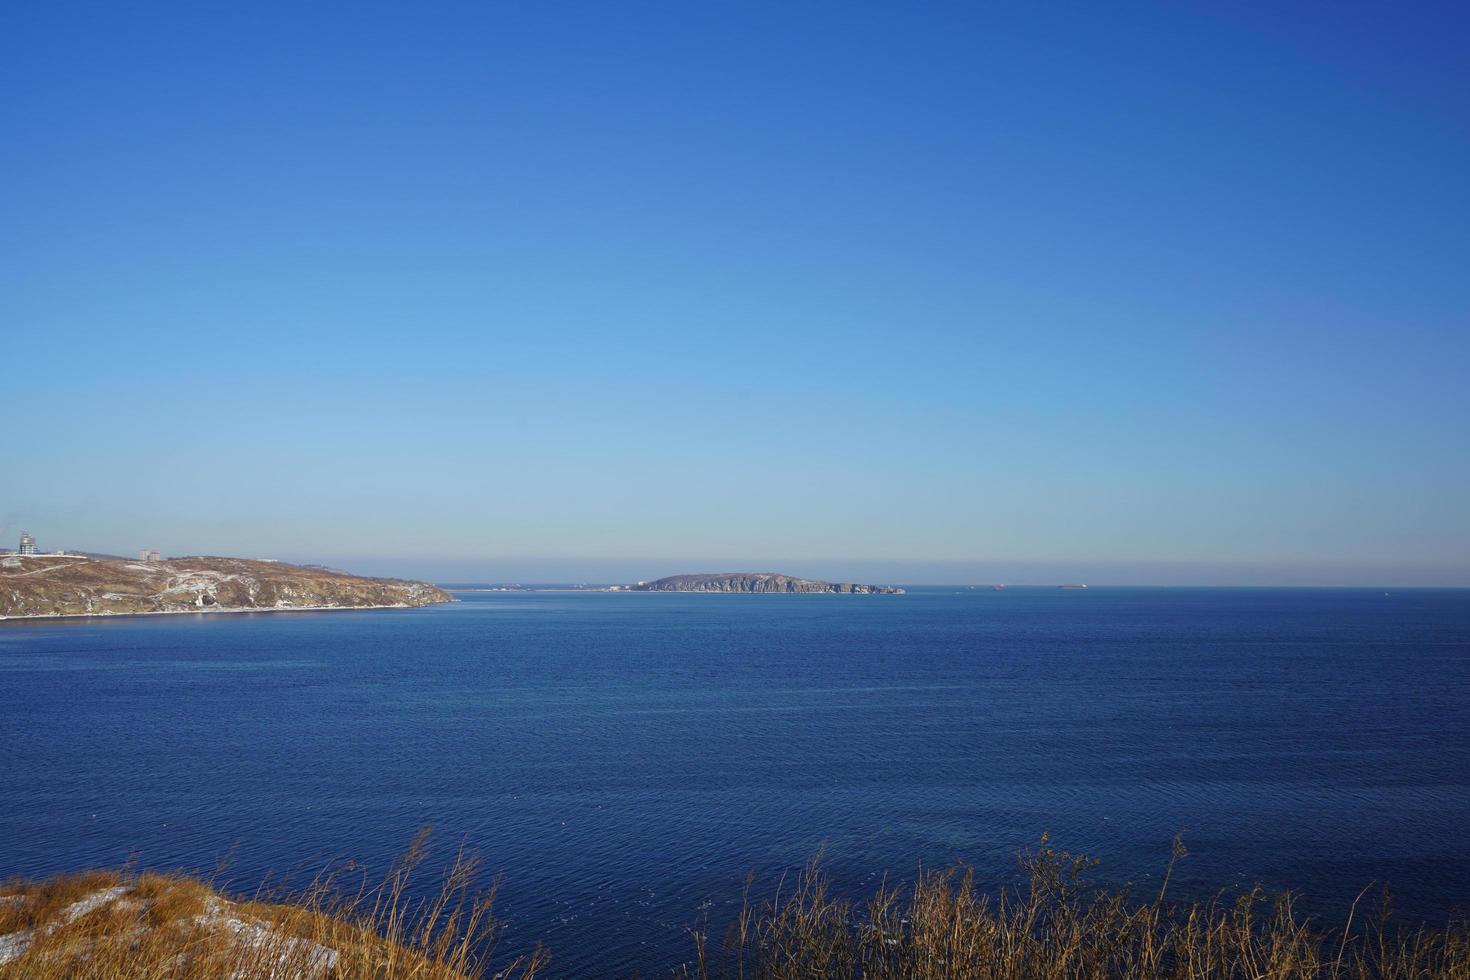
36,585
757,582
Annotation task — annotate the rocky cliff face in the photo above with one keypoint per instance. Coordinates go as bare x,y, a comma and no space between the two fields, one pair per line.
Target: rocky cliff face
757,582
48,585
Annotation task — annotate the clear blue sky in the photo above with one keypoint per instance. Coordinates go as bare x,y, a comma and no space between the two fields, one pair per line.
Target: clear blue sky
1174,292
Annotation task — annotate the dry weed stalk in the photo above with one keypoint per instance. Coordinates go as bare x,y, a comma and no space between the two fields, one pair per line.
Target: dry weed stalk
1058,927
340,926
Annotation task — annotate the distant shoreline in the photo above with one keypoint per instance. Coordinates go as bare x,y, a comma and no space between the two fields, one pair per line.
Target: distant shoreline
967,587
627,591
203,611
91,587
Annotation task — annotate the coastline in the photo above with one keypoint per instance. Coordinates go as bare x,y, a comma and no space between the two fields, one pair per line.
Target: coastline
120,587
215,610
657,592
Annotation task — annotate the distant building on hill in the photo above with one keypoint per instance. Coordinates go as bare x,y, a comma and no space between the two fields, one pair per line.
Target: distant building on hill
149,554
27,544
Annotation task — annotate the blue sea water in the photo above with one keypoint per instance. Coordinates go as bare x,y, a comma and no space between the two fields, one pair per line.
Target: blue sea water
623,760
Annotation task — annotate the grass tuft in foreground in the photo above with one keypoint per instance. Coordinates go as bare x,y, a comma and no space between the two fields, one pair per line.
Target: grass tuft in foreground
1056,926
110,926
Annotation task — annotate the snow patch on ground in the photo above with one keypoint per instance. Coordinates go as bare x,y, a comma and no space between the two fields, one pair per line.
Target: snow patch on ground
206,581
289,958
94,901
14,945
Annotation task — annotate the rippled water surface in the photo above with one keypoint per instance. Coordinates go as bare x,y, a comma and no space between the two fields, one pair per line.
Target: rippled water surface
624,760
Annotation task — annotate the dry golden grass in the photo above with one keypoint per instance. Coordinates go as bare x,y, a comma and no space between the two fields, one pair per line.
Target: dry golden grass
340,926
1056,927
45,900
1053,927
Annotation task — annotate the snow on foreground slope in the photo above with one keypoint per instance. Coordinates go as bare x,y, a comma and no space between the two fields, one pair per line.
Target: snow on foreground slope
249,941
50,585
339,925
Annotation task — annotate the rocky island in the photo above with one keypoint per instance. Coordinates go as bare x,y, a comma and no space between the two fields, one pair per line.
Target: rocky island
74,585
758,582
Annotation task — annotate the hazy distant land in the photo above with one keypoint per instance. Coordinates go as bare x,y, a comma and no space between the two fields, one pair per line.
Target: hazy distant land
757,582
72,585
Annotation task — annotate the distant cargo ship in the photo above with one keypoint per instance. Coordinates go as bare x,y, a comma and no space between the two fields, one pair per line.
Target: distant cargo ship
1072,585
